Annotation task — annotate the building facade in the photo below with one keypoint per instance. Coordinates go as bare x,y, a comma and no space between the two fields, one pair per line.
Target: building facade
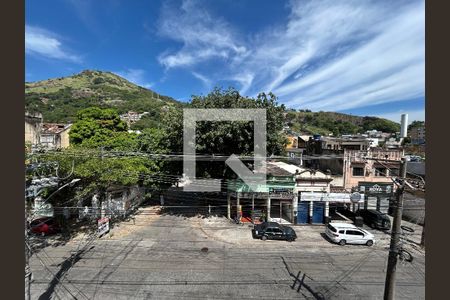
132,117
281,199
33,127
340,144
55,136
119,201
274,201
417,135
357,168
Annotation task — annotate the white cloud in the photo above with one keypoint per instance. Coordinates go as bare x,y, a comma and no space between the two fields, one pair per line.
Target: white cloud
389,67
413,115
205,80
202,36
245,80
328,55
44,43
136,76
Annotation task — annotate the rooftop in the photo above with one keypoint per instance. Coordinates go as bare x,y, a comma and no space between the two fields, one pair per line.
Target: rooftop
54,128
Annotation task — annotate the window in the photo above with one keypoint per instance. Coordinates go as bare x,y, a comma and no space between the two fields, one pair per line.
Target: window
380,171
269,230
358,171
46,139
341,231
331,228
355,233
277,230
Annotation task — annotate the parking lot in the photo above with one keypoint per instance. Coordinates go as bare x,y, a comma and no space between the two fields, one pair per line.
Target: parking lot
175,257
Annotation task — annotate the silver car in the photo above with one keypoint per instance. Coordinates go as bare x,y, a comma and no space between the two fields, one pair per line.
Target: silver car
344,233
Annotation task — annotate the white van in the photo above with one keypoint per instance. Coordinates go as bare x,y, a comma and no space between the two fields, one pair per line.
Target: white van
344,233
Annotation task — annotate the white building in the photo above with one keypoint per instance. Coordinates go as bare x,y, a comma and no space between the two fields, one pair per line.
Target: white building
404,126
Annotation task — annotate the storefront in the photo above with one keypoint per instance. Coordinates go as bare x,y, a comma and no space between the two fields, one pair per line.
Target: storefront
317,208
274,201
377,195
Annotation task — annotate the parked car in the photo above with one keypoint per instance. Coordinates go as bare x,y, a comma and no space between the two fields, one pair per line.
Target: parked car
273,231
375,219
44,226
345,233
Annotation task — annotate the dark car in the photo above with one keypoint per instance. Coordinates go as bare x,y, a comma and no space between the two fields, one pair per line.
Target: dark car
273,231
375,219
44,226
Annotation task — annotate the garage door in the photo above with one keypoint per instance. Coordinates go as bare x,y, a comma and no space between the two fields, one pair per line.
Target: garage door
302,215
318,212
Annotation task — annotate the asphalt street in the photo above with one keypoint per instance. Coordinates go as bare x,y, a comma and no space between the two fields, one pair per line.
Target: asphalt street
165,257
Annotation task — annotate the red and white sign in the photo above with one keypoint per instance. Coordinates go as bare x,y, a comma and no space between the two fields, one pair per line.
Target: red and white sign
103,226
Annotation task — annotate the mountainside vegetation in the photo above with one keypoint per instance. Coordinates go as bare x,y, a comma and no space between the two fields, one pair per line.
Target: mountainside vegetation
60,99
326,123
416,124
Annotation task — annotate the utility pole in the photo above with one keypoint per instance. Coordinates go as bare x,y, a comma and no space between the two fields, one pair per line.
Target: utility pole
389,287
27,261
28,273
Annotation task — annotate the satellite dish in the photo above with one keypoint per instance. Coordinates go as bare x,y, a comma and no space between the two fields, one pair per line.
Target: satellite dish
355,197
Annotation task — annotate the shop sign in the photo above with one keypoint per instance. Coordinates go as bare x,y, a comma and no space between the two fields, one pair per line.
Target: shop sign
379,188
103,226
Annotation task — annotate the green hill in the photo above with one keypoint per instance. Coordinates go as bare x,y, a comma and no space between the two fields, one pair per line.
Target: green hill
59,99
336,123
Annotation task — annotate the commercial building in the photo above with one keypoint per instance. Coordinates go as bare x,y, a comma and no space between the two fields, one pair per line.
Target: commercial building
286,197
274,201
357,168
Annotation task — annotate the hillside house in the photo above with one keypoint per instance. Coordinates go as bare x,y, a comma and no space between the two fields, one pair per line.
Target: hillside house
55,136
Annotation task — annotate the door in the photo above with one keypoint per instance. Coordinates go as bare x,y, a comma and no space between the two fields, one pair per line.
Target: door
269,233
303,212
318,212
355,237
277,234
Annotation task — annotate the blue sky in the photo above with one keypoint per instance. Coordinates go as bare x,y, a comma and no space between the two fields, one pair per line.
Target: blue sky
357,57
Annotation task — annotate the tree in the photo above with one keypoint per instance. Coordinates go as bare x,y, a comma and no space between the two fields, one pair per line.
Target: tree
94,135
95,125
226,138
290,117
374,123
415,124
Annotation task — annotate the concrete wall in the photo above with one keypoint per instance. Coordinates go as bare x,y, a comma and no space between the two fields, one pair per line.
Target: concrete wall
64,138
338,180
416,168
33,126
413,208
